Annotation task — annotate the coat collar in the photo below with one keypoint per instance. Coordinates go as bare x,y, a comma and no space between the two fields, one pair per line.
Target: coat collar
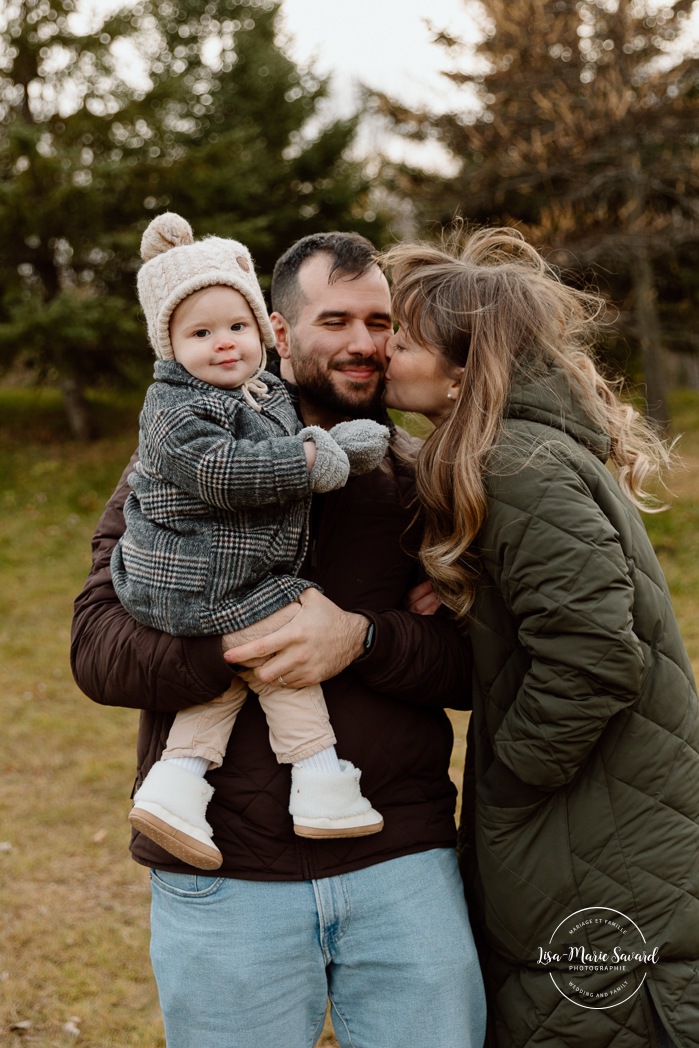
548,398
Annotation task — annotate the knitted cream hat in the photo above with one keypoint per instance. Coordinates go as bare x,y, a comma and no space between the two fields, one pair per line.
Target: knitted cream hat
175,266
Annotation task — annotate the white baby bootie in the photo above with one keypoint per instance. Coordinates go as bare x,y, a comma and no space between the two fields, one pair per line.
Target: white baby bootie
330,804
170,809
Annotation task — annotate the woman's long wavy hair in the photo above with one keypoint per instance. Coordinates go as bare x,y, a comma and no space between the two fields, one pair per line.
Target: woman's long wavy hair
490,304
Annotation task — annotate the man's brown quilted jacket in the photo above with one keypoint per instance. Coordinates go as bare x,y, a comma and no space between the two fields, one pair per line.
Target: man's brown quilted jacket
387,709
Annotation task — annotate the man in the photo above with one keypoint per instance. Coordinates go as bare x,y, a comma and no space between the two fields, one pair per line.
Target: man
377,924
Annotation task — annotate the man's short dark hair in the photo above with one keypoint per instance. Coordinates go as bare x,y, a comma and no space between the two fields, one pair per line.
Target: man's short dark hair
350,254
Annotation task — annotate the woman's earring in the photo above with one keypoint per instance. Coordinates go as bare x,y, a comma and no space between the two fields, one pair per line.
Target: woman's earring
450,396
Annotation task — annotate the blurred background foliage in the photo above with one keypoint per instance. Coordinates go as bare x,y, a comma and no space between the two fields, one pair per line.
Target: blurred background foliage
578,123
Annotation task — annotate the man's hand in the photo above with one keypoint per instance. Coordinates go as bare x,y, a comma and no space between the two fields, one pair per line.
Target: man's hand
422,599
319,642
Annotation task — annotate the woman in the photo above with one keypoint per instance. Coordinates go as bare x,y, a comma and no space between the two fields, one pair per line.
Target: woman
580,826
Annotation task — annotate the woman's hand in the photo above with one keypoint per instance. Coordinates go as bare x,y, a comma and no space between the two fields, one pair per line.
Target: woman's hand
422,600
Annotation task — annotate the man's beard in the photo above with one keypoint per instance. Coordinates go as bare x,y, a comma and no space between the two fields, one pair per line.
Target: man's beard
315,386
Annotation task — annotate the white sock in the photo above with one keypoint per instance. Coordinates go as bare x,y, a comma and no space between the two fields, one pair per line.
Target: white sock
197,765
325,761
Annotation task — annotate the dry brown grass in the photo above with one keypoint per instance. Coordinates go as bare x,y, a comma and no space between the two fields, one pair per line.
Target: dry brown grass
74,965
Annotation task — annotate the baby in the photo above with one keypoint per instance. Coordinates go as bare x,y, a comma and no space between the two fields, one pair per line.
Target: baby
217,527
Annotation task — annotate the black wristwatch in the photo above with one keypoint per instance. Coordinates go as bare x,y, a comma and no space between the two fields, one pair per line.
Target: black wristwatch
369,639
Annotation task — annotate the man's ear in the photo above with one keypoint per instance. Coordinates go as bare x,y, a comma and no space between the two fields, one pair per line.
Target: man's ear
282,335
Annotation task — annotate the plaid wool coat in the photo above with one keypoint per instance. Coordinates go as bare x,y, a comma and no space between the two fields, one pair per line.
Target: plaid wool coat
217,519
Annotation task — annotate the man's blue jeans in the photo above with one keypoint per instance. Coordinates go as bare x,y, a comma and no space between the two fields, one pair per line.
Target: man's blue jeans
245,964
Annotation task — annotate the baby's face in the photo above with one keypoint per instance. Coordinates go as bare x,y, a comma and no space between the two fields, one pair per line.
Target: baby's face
215,336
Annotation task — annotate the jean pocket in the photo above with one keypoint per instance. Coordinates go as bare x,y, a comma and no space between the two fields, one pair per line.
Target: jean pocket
191,885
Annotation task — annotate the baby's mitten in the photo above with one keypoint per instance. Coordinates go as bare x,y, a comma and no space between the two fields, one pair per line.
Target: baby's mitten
365,443
331,468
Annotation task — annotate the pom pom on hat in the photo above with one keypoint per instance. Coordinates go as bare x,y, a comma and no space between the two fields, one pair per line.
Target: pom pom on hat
165,231
175,265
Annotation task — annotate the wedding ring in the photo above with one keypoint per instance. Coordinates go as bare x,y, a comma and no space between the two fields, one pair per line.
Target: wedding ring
282,681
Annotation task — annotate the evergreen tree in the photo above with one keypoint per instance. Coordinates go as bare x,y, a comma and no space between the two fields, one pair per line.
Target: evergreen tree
189,105
585,136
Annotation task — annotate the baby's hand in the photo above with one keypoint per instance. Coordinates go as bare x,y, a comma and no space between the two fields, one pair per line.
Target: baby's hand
364,441
331,467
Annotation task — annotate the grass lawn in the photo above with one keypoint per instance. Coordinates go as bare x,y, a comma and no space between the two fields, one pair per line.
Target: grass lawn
73,906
